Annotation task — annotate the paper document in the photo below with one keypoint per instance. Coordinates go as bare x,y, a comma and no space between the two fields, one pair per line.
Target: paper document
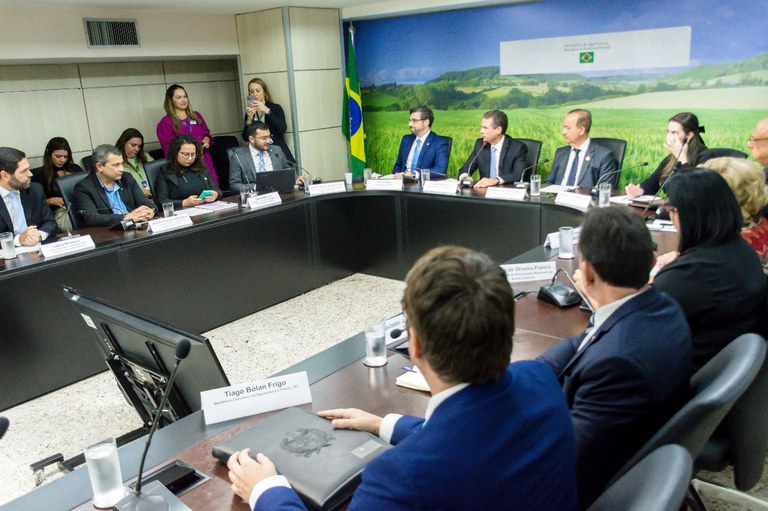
217,205
190,212
625,200
412,379
555,189
648,199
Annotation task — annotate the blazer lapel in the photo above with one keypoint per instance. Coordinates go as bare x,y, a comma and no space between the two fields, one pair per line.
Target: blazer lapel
100,192
6,216
587,167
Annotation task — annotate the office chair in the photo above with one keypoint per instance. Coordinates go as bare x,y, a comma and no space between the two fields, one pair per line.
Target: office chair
67,187
733,153
618,147
450,146
534,152
153,169
220,156
87,162
657,483
157,154
715,388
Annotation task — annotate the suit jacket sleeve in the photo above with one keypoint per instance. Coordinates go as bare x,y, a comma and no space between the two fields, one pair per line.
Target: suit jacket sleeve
558,356
441,155
210,182
132,195
513,169
87,200
163,191
236,171
405,426
279,498
607,164
402,156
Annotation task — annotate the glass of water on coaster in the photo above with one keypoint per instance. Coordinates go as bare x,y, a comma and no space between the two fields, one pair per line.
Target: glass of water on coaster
375,343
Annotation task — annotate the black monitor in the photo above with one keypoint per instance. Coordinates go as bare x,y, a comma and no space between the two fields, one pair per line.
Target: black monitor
275,181
140,352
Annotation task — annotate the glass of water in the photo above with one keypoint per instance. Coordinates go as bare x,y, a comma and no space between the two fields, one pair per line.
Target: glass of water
535,185
167,209
423,176
375,344
104,472
566,243
7,246
604,197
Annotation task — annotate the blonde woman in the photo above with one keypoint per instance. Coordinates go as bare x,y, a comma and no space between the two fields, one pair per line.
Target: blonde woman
261,108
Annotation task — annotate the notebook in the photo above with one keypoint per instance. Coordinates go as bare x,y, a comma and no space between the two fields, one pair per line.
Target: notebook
322,464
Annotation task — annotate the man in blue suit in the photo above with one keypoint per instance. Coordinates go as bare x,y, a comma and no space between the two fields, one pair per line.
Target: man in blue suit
581,162
494,436
422,149
628,373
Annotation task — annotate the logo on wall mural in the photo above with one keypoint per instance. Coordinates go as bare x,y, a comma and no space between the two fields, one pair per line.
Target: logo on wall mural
587,57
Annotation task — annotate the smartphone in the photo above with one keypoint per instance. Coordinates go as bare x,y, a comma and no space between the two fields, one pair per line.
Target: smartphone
205,194
251,100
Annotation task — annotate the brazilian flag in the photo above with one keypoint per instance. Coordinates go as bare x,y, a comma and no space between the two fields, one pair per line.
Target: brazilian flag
586,57
352,123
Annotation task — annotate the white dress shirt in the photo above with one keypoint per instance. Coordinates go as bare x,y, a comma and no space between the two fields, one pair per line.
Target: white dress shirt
413,148
255,156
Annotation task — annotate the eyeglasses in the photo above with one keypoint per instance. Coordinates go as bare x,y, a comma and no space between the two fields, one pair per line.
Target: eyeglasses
752,140
264,138
188,156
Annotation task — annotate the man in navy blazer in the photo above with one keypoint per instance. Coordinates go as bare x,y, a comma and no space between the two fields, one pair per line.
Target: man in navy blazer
628,373
23,210
581,162
494,436
496,156
430,150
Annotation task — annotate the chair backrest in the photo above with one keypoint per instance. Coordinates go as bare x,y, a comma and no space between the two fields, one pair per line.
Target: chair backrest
220,157
450,146
157,154
534,152
721,151
67,187
658,482
87,162
715,388
618,147
153,169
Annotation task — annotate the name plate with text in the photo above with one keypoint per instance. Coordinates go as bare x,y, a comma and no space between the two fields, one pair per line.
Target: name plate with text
324,188
445,187
384,184
261,396
528,272
264,201
573,200
505,193
67,246
169,224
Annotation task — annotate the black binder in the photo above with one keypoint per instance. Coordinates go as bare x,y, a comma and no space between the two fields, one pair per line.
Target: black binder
322,464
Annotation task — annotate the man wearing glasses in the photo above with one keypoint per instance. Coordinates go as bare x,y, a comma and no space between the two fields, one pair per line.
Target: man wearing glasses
422,149
758,145
258,156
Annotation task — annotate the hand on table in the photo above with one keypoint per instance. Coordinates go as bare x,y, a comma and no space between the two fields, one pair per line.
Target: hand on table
352,418
30,237
245,472
486,182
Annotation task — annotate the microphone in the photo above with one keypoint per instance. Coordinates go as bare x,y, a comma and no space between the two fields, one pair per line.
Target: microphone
601,178
521,184
4,423
151,502
466,181
245,171
661,187
298,167
561,295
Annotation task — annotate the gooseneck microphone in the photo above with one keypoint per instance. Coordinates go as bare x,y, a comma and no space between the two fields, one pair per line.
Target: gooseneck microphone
4,423
466,182
661,187
526,169
602,178
296,166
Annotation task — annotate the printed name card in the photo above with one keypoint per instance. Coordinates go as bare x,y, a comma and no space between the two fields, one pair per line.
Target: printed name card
505,193
67,246
324,188
261,396
384,184
168,224
529,272
264,201
445,187
573,200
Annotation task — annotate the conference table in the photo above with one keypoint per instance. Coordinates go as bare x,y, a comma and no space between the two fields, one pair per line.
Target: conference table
326,237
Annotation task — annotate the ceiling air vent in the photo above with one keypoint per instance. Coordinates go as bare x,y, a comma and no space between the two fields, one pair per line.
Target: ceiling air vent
111,33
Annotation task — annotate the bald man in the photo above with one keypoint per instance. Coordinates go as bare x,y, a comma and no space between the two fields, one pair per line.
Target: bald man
758,145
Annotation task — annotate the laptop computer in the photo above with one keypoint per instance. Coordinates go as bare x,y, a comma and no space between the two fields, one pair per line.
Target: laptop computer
275,181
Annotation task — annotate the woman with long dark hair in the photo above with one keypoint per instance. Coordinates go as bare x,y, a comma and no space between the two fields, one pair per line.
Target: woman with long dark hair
57,162
686,147
131,144
186,176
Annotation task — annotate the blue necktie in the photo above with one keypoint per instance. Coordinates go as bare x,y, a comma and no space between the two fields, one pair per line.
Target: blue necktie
416,152
262,165
17,215
574,169
493,171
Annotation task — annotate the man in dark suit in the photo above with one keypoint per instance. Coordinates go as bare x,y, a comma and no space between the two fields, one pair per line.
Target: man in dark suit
107,196
498,158
258,156
581,162
494,436
626,374
758,145
23,210
423,149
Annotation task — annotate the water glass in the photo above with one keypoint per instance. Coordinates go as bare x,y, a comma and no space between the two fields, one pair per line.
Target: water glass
566,243
375,343
535,185
423,176
244,193
7,246
104,472
167,209
348,178
604,197
367,174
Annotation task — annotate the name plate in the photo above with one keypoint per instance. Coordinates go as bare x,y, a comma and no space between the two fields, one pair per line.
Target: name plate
264,201
573,200
261,396
324,188
446,187
384,184
67,246
505,193
169,224
529,272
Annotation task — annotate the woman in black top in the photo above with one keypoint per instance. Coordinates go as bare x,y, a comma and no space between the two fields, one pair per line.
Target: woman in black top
186,176
717,278
686,148
261,108
57,162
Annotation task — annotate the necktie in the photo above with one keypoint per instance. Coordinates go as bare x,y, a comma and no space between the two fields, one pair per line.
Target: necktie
574,169
262,165
17,215
493,171
416,151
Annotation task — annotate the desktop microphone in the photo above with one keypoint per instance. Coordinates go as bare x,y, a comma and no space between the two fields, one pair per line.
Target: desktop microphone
466,181
245,171
4,423
521,184
154,502
601,178
661,187
560,295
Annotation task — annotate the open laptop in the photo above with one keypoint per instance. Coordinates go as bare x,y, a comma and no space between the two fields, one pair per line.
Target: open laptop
275,181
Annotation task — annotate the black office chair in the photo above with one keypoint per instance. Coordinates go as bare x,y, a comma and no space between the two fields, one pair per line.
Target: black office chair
67,187
220,157
715,388
157,154
153,169
719,152
450,146
534,152
618,147
742,439
657,483
87,162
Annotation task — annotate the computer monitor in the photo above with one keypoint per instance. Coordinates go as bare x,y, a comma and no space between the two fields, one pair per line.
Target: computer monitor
140,352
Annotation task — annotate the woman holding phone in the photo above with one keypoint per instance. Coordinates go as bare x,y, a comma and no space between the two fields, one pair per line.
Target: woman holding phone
261,108
57,162
186,181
